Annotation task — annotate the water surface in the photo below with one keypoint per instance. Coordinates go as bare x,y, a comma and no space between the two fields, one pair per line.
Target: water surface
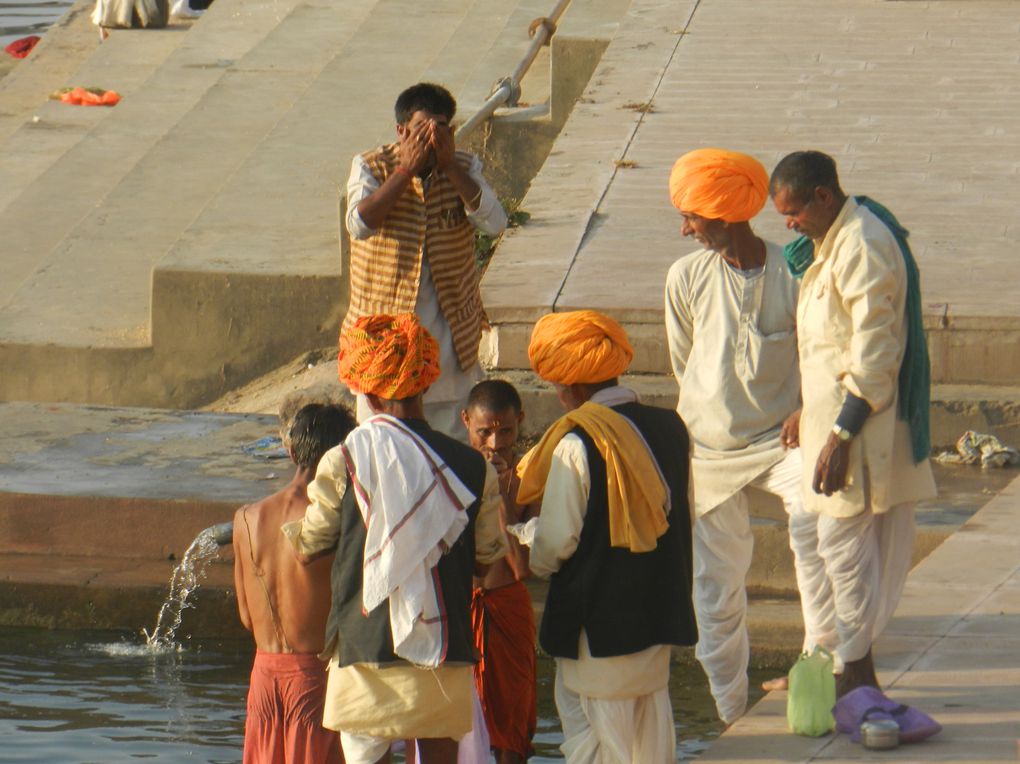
69,697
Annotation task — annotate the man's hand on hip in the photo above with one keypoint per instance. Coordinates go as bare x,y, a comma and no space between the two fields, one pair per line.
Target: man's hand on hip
831,468
789,434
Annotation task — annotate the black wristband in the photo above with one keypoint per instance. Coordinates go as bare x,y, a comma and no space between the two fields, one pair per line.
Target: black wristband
853,414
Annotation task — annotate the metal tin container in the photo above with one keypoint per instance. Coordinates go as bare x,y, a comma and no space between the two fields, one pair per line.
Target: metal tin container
880,734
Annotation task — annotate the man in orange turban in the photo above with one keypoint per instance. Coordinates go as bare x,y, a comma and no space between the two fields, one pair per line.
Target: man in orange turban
388,357
411,513
614,539
731,327
719,185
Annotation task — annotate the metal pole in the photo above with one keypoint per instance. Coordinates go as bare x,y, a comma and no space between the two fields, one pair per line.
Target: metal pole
508,89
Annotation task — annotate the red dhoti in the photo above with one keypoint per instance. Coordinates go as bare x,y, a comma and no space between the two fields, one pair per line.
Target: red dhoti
284,723
504,626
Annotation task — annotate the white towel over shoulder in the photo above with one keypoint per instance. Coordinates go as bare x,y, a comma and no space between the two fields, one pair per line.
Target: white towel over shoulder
414,509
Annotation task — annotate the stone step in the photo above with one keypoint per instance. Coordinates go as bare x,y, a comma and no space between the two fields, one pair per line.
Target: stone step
137,485
67,44
224,246
113,249
124,62
674,78
41,224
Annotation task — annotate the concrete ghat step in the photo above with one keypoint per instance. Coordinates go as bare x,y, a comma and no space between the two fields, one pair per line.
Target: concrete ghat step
592,219
137,485
76,592
58,200
113,249
124,62
525,278
65,46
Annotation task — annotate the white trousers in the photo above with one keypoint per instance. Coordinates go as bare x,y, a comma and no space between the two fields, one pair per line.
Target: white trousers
866,558
723,545
626,731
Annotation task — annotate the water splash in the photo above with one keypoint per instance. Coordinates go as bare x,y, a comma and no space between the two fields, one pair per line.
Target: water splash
186,578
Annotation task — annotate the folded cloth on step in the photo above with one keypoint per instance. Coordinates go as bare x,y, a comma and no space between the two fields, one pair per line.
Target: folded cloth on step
870,704
87,96
21,48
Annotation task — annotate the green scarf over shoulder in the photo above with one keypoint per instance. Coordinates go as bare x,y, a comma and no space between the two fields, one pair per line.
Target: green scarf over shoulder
915,370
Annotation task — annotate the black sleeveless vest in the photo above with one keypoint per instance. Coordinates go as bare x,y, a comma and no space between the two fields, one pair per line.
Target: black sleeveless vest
624,601
366,637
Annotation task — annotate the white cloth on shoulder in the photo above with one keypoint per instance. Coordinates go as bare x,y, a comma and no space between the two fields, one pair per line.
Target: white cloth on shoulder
414,509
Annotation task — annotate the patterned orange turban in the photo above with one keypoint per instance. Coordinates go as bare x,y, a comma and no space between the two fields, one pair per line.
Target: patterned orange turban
719,185
393,357
579,347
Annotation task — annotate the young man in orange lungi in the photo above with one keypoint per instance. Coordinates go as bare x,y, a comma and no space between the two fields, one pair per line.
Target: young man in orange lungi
284,604
501,610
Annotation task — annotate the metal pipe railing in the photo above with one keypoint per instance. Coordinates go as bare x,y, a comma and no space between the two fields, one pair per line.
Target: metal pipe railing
507,91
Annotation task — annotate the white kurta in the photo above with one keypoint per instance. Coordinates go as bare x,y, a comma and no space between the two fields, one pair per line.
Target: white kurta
733,347
852,333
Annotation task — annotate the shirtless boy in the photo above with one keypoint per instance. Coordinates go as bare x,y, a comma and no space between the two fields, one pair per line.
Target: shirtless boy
285,604
501,611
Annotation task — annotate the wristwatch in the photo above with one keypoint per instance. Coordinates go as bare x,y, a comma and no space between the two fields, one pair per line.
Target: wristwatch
842,433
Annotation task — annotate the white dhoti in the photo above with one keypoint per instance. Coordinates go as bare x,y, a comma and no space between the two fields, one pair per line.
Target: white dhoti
867,558
723,545
616,710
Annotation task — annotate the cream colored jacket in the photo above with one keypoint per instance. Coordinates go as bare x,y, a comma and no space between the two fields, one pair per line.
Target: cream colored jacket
851,322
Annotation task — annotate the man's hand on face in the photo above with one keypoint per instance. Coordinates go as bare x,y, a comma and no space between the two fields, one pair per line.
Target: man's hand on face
503,471
441,137
415,146
831,468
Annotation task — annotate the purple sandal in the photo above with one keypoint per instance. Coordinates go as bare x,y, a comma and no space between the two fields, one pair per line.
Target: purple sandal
870,703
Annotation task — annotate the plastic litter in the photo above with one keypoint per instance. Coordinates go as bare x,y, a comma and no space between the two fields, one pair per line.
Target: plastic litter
977,447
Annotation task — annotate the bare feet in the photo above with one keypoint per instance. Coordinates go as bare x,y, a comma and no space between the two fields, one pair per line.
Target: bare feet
778,683
856,674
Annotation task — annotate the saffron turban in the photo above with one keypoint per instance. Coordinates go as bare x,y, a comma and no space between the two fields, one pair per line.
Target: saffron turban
719,185
579,347
393,357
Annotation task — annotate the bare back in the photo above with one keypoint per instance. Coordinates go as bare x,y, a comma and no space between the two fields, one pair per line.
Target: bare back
281,601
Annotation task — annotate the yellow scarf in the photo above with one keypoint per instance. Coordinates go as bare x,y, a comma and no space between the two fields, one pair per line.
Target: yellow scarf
638,497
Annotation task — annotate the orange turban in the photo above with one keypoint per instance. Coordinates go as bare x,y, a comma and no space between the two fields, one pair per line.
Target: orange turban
579,347
719,185
393,357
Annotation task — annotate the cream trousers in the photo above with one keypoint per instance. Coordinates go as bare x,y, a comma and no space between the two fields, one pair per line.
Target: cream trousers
625,731
723,545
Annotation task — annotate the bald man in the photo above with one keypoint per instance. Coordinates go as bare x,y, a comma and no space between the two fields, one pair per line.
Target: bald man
731,323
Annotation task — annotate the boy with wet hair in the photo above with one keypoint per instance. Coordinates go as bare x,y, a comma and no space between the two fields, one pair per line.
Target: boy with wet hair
501,610
284,604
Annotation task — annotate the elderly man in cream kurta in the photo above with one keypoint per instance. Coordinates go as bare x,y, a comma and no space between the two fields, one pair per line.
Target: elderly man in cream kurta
730,321
860,473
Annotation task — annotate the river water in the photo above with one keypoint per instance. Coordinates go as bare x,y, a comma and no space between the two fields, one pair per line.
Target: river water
69,697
